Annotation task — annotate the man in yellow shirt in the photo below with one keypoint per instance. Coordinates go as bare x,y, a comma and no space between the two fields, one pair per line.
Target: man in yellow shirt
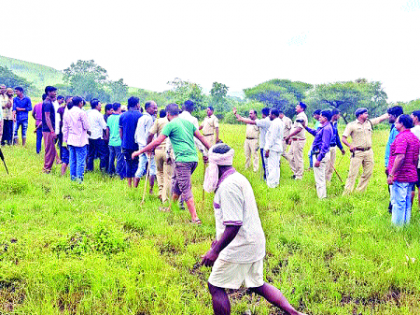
360,132
210,127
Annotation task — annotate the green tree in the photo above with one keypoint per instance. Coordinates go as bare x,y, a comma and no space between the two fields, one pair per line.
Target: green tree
8,78
87,79
282,94
185,90
348,96
118,90
218,94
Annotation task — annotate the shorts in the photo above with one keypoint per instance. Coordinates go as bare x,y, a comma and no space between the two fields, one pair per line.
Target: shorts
229,275
131,164
181,179
142,169
21,122
64,155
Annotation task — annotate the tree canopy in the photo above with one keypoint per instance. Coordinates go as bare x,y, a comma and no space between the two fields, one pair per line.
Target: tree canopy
282,94
348,96
8,78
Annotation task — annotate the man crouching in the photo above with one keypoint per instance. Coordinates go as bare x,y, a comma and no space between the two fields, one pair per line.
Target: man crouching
239,249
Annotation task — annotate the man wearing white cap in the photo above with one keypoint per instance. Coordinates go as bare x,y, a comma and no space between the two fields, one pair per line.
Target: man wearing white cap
238,252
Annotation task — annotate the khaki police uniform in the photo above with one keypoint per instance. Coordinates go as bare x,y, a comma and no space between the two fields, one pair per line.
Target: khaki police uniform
361,135
286,132
164,170
251,146
209,128
295,154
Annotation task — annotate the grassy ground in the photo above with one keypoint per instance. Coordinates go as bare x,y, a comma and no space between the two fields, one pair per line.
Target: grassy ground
94,249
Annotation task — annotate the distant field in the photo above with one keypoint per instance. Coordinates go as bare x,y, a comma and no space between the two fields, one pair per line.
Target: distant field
94,249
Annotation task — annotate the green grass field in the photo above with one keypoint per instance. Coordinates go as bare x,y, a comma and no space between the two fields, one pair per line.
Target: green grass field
94,249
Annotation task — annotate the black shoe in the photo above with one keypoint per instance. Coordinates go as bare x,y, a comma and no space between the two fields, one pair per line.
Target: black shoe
390,208
293,177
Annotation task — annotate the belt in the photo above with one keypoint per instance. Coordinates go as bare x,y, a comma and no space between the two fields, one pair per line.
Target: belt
363,149
210,134
251,138
297,139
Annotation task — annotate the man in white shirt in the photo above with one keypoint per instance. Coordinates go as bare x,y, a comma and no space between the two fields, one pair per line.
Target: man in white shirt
274,148
263,125
97,128
144,124
237,254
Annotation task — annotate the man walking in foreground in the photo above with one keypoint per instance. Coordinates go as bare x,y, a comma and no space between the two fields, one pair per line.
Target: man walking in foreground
181,133
297,139
48,128
237,254
360,131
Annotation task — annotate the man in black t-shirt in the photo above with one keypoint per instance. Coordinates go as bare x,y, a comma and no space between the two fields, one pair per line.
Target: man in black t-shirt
48,128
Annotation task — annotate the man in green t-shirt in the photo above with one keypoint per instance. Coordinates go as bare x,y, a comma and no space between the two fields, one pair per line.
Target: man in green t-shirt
181,133
115,142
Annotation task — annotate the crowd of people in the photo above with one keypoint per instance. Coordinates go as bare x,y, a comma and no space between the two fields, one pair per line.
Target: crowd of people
132,143
402,161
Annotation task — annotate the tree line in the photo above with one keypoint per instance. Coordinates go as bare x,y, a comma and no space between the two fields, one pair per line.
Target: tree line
89,80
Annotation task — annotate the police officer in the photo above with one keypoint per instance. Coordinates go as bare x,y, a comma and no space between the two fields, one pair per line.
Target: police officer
297,139
210,127
251,144
360,132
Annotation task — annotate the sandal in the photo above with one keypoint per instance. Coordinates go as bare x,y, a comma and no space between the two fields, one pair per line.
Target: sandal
196,221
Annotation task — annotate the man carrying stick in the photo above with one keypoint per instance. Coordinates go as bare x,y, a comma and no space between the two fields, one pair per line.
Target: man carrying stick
181,133
237,254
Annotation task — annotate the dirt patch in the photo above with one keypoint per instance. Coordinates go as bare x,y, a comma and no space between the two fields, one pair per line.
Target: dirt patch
11,295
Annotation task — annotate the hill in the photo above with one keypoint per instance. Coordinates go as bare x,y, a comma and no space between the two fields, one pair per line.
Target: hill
38,75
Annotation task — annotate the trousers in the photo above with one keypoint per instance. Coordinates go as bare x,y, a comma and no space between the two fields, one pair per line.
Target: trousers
77,162
164,174
364,159
273,169
295,158
251,150
320,176
50,151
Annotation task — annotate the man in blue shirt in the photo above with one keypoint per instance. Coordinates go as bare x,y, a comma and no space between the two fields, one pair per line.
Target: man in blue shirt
335,142
22,105
320,150
394,113
128,124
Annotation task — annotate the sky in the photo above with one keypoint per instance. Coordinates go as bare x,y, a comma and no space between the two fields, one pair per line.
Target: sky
238,43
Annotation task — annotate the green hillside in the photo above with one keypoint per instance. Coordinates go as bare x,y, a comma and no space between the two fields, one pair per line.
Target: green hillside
37,74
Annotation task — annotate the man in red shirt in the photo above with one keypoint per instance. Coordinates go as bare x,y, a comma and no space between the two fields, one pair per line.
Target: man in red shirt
402,169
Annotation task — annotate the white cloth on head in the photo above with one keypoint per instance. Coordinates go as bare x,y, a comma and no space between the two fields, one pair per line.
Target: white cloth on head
212,172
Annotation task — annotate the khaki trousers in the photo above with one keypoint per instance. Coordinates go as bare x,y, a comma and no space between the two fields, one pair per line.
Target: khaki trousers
295,158
164,174
364,159
320,176
330,165
251,147
210,139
